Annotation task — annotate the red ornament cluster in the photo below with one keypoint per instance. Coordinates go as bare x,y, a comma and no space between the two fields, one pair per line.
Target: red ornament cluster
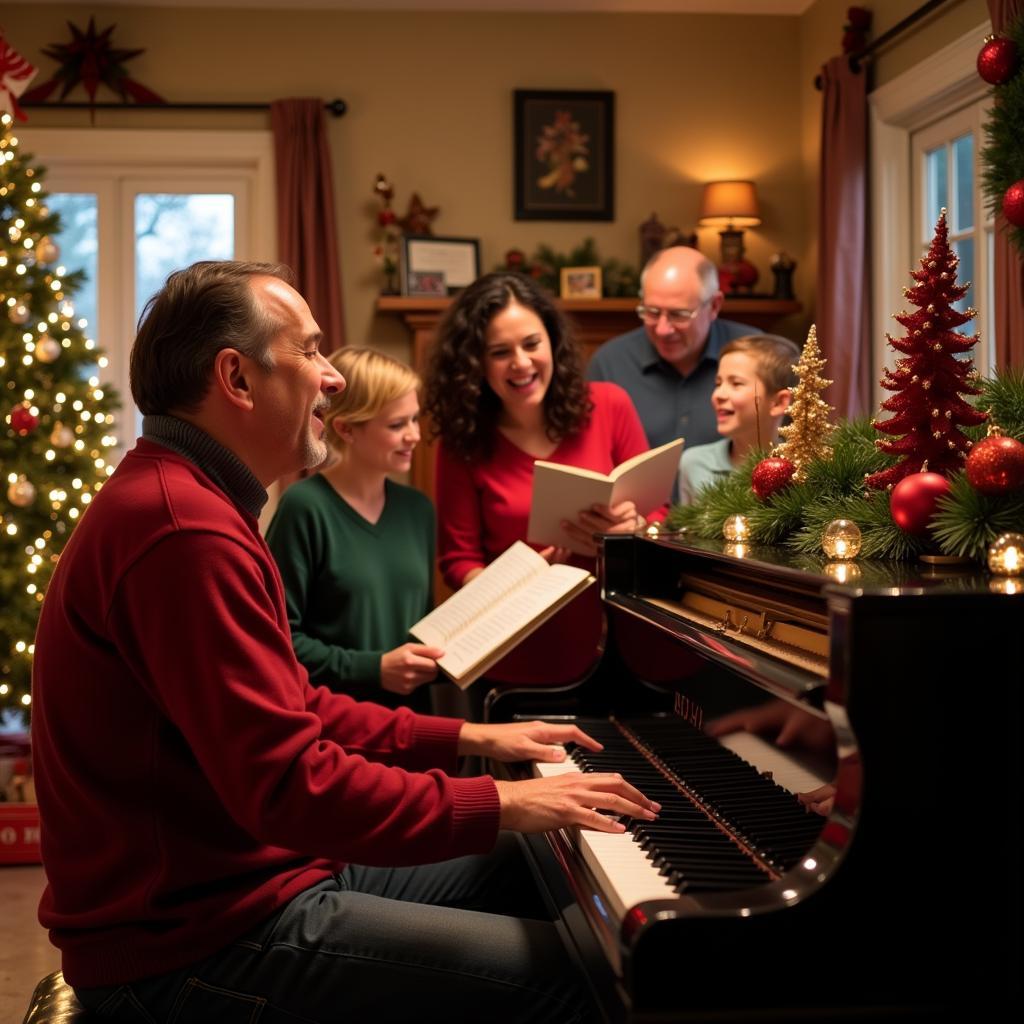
996,465
23,421
915,499
997,60
771,475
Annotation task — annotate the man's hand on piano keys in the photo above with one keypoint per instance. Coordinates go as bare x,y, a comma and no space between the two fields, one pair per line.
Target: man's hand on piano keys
522,741
542,805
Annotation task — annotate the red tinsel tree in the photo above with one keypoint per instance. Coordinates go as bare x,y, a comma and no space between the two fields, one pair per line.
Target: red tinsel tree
929,380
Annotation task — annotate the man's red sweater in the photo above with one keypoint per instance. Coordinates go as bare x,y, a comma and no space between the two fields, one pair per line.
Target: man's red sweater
190,779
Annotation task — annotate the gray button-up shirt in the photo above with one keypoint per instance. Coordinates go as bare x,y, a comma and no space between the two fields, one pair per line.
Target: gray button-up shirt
670,405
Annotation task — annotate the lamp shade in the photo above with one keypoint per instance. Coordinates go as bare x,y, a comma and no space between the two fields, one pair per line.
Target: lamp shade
732,203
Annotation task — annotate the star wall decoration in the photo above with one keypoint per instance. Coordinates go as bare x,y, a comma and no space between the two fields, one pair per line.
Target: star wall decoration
91,60
418,220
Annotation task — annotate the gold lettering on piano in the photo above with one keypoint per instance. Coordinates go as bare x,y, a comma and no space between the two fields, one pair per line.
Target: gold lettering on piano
689,710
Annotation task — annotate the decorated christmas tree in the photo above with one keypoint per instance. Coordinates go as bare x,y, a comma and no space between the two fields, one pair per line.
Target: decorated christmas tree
930,379
806,434
56,419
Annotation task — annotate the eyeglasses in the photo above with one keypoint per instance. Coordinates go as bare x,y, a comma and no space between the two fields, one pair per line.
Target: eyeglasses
676,317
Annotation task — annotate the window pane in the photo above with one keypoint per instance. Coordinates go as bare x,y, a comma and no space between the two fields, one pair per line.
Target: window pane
965,275
962,214
936,188
173,231
79,249
989,327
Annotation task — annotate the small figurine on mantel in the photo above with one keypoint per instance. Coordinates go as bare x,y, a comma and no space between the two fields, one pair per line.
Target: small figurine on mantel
655,236
783,266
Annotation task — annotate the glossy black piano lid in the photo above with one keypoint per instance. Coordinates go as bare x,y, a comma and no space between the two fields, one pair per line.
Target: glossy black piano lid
921,916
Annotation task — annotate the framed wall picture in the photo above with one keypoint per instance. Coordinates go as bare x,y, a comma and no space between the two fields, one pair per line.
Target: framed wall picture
580,283
564,155
456,259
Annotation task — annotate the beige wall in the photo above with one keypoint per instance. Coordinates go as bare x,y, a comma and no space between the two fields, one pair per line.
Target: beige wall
430,105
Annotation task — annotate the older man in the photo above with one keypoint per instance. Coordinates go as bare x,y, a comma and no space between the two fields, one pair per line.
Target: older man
668,365
221,840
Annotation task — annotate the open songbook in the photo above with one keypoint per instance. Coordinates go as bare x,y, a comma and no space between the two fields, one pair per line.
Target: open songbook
479,624
562,492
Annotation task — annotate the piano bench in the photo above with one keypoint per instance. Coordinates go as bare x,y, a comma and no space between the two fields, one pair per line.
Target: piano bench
54,1002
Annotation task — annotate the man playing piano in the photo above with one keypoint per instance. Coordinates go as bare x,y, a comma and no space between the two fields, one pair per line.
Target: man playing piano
221,840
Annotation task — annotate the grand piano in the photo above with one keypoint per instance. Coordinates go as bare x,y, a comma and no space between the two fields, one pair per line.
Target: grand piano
837,749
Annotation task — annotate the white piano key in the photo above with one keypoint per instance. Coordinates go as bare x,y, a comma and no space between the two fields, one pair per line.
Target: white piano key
623,873
789,771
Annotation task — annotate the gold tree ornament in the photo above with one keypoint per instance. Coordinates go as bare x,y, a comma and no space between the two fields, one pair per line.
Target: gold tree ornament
809,414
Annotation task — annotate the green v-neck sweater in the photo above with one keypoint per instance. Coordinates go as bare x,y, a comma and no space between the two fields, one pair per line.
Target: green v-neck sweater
353,588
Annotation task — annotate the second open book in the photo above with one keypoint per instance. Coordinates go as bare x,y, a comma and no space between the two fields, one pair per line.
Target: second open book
479,624
562,492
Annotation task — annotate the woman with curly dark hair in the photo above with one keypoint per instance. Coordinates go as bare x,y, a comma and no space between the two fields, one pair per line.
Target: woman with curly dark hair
504,388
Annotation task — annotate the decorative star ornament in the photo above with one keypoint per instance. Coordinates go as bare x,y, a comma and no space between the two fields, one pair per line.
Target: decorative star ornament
417,221
91,61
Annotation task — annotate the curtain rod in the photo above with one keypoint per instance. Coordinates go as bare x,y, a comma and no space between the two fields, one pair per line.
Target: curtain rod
336,108
887,37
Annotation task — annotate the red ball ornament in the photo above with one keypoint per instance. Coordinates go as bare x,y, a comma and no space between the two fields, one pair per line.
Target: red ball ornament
22,420
997,60
1013,204
914,500
995,465
771,475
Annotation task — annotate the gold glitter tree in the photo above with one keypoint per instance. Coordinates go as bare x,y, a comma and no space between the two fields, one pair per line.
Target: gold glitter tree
805,434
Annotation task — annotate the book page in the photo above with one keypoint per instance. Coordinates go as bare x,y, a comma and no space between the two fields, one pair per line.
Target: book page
562,492
514,617
508,571
559,492
646,480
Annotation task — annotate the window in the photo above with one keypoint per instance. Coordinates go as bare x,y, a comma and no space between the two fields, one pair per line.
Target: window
947,174
925,137
128,220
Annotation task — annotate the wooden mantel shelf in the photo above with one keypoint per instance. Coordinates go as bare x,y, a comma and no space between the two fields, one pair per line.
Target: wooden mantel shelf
594,320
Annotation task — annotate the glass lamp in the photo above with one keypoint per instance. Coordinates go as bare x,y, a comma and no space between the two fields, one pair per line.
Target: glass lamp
732,205
1006,555
736,528
841,539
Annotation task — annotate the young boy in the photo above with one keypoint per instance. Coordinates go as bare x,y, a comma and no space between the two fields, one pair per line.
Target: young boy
752,393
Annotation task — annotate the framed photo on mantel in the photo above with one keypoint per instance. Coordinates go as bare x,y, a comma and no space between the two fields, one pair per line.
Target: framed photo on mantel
565,155
456,261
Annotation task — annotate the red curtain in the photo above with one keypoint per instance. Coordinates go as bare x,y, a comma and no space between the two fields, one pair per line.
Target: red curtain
306,238
842,301
1009,267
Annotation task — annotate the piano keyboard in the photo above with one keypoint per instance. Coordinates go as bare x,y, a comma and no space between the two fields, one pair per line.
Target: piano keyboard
737,829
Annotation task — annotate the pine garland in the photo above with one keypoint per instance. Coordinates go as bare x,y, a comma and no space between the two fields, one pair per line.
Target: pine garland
966,523
1003,155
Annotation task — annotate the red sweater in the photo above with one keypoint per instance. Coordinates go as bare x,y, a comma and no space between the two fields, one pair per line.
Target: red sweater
190,779
484,507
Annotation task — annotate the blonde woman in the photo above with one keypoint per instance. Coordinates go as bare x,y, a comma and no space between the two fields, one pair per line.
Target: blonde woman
356,549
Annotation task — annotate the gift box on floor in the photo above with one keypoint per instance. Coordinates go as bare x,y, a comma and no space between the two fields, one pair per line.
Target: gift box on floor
19,813
19,834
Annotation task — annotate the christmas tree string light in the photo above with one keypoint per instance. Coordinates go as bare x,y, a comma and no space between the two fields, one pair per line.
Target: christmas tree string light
57,426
